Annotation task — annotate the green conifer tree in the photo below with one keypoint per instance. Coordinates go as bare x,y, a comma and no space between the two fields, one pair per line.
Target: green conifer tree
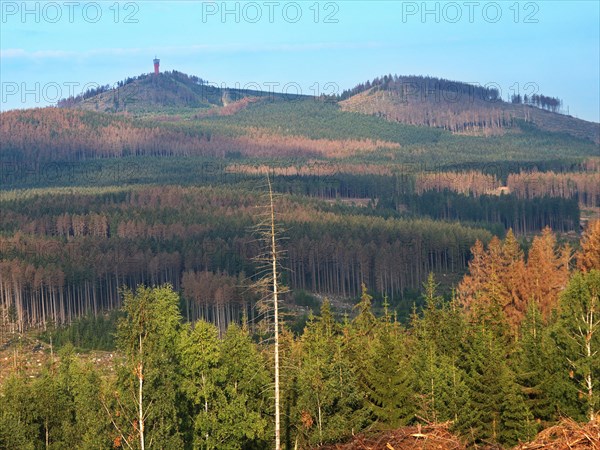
439,381
327,389
533,362
577,338
497,407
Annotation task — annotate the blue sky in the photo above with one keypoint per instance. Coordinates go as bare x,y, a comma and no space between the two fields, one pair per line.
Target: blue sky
53,48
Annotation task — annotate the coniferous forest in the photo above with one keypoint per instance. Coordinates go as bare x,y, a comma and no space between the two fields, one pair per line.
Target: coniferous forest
440,273
512,351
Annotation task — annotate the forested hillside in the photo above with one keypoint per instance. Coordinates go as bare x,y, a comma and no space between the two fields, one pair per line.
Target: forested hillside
466,108
500,360
97,200
165,93
60,262
432,266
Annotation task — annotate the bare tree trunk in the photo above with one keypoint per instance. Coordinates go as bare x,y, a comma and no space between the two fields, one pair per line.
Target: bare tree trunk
591,327
320,420
140,397
276,318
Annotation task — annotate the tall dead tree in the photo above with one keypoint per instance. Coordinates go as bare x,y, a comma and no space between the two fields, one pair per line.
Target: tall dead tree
275,315
268,283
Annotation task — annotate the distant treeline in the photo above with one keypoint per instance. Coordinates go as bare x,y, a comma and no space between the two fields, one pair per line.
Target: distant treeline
523,216
65,255
541,101
583,187
449,196
294,131
423,87
43,135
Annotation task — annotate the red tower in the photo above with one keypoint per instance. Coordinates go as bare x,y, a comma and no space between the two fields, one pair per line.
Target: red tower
156,65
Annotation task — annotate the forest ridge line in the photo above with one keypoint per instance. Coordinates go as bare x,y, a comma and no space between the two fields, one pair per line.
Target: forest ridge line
415,100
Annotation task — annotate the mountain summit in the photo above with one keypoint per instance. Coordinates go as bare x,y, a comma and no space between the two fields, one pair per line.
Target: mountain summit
459,107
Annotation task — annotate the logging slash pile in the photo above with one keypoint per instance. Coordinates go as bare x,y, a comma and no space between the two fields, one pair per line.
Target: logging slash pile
567,434
419,437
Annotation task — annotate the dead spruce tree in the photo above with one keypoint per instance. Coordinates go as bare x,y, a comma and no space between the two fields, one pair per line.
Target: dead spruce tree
268,284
